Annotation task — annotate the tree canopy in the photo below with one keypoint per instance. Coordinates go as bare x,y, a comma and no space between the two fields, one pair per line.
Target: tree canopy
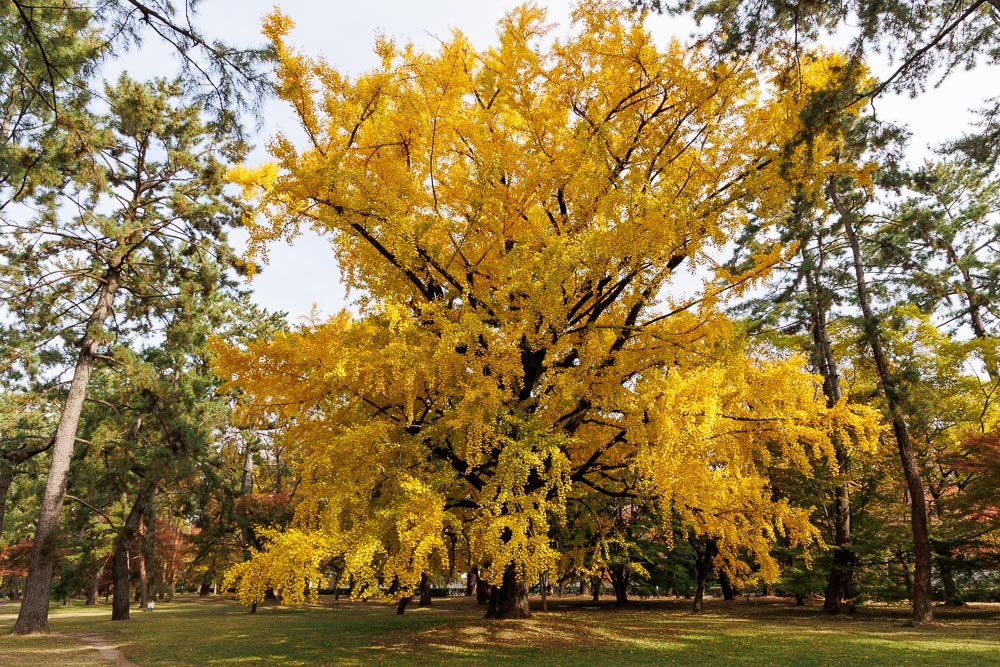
515,221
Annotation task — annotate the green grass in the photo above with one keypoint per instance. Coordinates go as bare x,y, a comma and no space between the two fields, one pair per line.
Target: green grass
574,632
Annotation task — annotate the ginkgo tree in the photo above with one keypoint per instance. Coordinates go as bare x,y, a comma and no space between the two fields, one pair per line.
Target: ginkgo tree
514,221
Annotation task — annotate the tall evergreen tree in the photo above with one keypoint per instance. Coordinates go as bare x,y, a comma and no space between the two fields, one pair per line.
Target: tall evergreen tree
98,259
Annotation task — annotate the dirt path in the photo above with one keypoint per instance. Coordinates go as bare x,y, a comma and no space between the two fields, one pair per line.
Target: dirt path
105,649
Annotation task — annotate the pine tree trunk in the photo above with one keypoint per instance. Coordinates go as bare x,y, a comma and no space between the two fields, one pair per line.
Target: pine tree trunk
6,478
92,588
246,529
120,602
510,598
921,595
153,578
143,597
839,585
33,616
120,574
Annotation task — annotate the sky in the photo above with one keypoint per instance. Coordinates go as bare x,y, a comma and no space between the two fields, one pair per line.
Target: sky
303,275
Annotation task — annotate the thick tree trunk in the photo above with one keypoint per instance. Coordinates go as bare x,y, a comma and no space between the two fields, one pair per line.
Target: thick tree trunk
840,584
126,536
911,471
619,582
484,591
728,592
704,568
94,584
425,591
33,616
92,589
120,574
510,598
471,577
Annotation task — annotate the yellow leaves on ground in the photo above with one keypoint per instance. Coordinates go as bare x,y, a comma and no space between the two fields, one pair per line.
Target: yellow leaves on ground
514,220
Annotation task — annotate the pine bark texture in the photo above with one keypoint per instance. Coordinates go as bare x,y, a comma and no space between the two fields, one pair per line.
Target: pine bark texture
911,471
6,478
33,616
121,600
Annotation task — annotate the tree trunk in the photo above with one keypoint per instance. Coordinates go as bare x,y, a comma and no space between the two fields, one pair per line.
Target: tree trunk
153,579
141,558
510,598
728,592
336,585
595,588
425,591
840,581
92,588
471,577
946,567
543,584
33,616
484,591
619,582
120,602
6,478
120,574
894,398
704,568
246,530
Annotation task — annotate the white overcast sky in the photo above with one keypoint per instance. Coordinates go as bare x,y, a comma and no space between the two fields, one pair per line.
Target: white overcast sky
303,275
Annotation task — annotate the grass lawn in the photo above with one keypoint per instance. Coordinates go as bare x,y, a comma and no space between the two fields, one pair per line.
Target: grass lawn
215,631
